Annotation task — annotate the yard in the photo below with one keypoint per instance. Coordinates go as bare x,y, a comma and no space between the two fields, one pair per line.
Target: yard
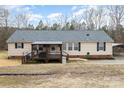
73,74
5,62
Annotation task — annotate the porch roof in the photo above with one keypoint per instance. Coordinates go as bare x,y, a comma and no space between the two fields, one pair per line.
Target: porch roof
48,42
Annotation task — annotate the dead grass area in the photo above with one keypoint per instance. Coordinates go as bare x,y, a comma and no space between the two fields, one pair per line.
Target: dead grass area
73,74
4,61
60,75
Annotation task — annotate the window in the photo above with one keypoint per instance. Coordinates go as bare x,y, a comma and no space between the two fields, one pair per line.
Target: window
53,49
76,46
101,46
104,46
34,47
69,46
19,45
40,47
64,46
79,44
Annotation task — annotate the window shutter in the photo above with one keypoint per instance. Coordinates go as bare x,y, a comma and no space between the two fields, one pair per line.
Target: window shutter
79,46
104,46
97,46
22,45
15,45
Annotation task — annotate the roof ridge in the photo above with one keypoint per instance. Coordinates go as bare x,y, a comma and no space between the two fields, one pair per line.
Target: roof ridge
62,30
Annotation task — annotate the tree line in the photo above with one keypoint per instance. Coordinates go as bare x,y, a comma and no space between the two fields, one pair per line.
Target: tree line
107,18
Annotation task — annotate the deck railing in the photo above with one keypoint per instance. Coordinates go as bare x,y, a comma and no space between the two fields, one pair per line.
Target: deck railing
26,57
65,54
55,55
43,56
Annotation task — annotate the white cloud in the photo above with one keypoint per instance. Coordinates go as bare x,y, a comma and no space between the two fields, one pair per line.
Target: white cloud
78,12
54,15
92,7
74,8
83,9
34,17
11,7
23,9
19,9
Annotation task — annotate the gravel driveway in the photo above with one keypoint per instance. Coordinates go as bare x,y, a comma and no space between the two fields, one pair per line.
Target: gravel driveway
117,60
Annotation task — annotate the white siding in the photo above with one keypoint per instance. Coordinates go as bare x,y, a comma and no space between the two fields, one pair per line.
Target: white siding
12,51
85,47
92,49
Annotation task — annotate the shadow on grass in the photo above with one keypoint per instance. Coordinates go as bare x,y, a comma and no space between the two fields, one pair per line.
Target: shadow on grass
25,74
43,62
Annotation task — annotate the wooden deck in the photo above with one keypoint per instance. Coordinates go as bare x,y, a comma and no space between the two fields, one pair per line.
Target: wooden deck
46,54
42,56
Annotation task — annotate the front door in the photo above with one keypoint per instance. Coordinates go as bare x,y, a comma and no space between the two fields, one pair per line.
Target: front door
39,50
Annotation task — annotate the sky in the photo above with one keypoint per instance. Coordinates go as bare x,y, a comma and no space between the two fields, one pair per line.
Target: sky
41,12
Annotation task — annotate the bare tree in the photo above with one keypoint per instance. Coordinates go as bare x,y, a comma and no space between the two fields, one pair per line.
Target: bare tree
47,24
22,21
61,20
64,22
88,17
75,21
116,13
4,13
18,21
94,18
99,17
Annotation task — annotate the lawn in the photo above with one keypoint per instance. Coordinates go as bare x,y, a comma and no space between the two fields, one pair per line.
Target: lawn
73,74
5,62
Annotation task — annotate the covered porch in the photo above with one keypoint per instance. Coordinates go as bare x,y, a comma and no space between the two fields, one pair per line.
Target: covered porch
46,51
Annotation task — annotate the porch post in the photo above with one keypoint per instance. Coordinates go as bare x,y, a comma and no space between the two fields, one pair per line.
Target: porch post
60,52
47,55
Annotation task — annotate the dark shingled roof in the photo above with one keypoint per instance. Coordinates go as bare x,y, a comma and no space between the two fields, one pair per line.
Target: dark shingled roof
62,36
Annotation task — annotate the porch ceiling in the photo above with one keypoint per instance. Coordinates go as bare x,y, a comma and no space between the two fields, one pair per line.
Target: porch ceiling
47,42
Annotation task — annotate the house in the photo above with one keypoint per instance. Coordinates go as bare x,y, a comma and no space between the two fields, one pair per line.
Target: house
49,45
